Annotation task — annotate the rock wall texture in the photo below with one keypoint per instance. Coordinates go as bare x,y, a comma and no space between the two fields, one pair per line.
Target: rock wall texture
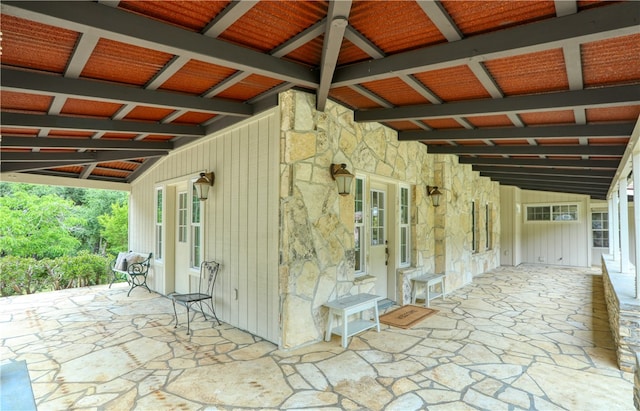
317,225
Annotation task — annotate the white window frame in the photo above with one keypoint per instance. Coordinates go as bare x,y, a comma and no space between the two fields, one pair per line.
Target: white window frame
361,227
404,258
183,216
196,231
604,231
551,213
159,223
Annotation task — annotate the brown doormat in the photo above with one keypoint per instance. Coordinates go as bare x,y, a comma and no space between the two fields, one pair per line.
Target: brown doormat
406,316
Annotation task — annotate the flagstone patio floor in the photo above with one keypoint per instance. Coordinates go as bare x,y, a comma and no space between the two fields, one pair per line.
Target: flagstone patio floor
531,337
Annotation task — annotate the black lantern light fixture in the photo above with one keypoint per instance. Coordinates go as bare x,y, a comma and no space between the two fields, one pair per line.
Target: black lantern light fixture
435,194
203,184
342,177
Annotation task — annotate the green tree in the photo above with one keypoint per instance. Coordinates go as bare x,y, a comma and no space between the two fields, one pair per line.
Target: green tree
115,227
38,227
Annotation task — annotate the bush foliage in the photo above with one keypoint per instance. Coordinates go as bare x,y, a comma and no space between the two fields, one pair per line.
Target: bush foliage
26,275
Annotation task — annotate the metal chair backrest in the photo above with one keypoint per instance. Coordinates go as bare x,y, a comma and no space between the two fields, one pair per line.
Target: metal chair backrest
208,274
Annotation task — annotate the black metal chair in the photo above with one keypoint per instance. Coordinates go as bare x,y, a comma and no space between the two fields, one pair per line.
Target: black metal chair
208,274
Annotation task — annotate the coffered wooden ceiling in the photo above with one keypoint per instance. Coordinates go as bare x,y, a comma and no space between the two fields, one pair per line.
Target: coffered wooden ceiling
543,95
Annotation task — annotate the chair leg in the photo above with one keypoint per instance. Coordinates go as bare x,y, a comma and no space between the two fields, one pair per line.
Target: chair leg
214,312
188,321
175,313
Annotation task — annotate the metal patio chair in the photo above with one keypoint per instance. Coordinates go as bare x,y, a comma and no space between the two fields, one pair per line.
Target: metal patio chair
208,274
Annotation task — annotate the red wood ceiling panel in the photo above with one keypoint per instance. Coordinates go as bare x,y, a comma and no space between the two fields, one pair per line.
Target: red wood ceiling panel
498,120
530,73
548,117
196,77
270,23
475,17
36,46
352,98
617,140
557,141
250,87
311,52
14,101
455,83
193,118
110,173
145,113
625,113
124,63
70,169
120,165
21,132
190,15
402,125
350,53
74,106
442,123
395,91
611,61
394,26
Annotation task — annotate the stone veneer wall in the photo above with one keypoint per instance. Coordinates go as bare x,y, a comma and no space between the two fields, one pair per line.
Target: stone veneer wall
624,316
316,239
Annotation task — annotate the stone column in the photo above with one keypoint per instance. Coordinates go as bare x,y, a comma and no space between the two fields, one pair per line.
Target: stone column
636,213
614,227
624,226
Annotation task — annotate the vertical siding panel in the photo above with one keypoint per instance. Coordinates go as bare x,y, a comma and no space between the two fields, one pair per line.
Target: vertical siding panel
252,222
274,228
221,295
263,184
226,187
243,165
234,221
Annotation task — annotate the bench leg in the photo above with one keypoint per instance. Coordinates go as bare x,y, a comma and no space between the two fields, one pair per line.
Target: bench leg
327,334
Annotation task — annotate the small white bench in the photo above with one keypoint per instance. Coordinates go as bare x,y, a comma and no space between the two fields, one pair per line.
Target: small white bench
427,280
350,305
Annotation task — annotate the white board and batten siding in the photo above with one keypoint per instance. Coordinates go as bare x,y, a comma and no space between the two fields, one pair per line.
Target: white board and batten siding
544,242
240,218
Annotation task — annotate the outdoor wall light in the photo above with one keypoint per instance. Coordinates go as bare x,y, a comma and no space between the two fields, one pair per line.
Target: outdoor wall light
435,194
203,184
343,178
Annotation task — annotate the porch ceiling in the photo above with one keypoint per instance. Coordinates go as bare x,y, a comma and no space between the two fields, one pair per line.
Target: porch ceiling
537,94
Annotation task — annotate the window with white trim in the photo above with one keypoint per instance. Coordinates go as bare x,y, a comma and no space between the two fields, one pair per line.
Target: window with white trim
358,230
600,229
552,212
405,228
183,209
196,229
158,223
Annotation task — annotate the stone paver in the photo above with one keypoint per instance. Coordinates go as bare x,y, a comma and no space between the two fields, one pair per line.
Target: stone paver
531,337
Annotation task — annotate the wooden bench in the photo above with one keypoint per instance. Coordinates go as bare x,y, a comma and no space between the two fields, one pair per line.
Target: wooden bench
349,305
428,280
133,267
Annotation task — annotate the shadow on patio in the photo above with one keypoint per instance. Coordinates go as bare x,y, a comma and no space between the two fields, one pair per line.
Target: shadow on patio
531,337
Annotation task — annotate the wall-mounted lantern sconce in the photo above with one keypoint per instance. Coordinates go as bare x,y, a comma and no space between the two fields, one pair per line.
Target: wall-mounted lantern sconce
343,178
203,184
435,194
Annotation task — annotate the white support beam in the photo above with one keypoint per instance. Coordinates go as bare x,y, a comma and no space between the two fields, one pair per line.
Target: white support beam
615,226
624,227
610,220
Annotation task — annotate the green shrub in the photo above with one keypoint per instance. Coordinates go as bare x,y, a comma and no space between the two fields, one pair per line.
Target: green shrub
25,275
